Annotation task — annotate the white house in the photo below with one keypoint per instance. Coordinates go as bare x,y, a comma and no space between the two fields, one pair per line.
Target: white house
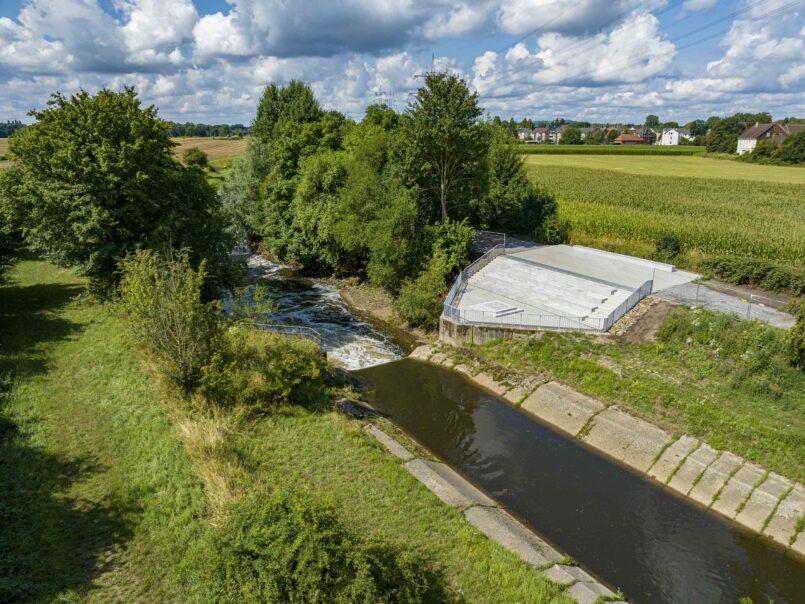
674,136
524,134
776,133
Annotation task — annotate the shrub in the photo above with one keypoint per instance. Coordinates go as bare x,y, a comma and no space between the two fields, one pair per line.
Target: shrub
759,273
795,341
553,231
272,549
260,369
420,301
161,298
792,150
667,247
196,158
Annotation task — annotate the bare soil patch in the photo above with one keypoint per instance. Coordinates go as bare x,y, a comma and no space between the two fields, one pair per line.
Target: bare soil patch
642,322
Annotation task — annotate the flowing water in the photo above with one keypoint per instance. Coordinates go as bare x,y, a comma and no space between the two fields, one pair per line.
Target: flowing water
633,535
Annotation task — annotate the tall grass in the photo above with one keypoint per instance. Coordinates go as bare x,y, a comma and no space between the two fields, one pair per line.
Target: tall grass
709,216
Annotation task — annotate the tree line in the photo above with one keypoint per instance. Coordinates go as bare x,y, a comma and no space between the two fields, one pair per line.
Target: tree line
216,130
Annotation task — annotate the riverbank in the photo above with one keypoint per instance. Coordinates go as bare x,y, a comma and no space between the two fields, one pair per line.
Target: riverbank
762,501
111,485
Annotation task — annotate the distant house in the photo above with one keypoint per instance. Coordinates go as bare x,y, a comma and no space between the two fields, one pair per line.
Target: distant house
776,133
587,131
647,134
629,139
540,135
524,134
674,136
556,134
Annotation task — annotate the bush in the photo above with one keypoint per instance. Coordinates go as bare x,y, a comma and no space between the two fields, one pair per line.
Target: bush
792,150
553,231
795,342
195,158
667,248
260,369
420,301
161,298
758,273
293,551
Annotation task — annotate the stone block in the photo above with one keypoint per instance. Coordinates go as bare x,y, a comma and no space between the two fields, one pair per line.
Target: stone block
502,528
782,525
394,447
465,369
799,543
762,501
692,468
447,484
423,353
737,489
441,359
588,593
672,457
714,477
562,407
565,575
487,381
516,394
628,439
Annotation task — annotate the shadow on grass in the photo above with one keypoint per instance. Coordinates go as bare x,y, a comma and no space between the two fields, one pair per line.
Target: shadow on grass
49,542
27,320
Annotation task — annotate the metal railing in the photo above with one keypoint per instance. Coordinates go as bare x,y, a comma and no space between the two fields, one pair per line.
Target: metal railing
299,331
628,304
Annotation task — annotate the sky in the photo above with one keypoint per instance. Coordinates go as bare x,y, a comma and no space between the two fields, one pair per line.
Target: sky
597,60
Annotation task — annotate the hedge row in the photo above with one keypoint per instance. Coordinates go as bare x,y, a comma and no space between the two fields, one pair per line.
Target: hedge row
759,273
609,150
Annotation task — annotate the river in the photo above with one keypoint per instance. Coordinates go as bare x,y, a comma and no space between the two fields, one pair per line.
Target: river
652,544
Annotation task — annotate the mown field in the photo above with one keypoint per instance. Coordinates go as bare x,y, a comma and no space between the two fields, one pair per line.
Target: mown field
617,207
109,485
215,148
3,152
664,150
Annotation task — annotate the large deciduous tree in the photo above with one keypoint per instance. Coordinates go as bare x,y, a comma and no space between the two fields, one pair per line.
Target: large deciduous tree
446,144
95,178
294,103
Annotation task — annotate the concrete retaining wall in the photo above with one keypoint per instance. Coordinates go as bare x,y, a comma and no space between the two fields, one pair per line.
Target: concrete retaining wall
460,334
745,493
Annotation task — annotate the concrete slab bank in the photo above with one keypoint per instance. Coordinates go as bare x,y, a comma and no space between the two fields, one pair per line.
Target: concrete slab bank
484,514
764,502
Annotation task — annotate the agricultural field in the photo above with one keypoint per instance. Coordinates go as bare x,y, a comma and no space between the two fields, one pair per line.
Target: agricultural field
685,167
526,149
215,148
3,152
620,208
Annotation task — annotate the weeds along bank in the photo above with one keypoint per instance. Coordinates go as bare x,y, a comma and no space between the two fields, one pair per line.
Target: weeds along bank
709,216
117,487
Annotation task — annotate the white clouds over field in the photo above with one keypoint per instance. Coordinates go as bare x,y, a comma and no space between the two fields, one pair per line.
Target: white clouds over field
614,59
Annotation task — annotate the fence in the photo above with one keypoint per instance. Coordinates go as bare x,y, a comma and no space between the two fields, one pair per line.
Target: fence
299,331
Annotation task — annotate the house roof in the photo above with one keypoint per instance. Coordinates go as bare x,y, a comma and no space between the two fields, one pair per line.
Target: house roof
589,130
629,138
755,131
793,128
541,130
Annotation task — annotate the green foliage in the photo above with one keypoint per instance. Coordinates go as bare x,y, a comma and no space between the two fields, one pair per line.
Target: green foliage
421,299
758,273
792,151
380,114
513,203
279,550
445,146
262,370
10,236
95,178
240,192
590,149
652,121
795,341
292,103
597,137
161,299
763,151
571,136
667,248
195,158
553,231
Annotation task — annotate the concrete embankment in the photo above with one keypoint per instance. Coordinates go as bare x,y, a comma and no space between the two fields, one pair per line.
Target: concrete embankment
754,498
484,514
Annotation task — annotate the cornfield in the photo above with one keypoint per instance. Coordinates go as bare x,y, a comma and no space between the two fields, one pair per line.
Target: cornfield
710,216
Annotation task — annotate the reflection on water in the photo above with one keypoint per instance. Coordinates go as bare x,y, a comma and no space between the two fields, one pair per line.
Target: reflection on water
632,534
350,342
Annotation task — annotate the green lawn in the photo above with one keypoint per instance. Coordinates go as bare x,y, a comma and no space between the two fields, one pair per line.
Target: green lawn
109,486
218,171
680,167
710,375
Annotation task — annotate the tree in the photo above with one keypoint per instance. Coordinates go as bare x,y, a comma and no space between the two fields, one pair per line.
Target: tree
445,143
294,102
571,136
697,127
95,178
196,158
723,136
596,137
381,115
612,135
792,150
652,121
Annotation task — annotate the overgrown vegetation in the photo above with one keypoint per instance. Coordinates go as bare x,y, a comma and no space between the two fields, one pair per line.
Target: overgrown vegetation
790,152
758,273
711,375
358,199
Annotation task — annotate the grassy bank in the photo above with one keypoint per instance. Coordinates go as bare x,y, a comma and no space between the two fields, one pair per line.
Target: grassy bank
628,212
630,150
708,374
110,485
